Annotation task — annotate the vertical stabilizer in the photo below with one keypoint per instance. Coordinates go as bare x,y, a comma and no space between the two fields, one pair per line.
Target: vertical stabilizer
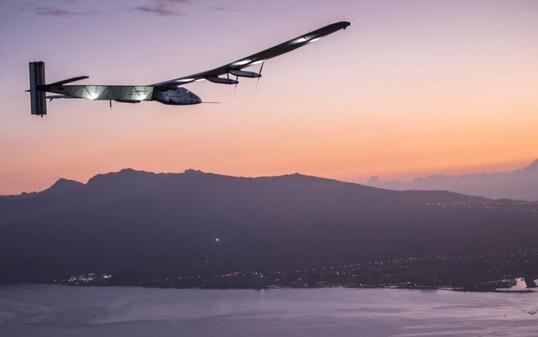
37,95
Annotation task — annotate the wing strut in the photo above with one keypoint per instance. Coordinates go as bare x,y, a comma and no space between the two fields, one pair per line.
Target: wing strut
235,87
260,72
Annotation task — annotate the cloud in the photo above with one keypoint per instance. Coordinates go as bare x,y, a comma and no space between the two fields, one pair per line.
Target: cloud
221,8
159,9
60,12
71,8
55,8
163,7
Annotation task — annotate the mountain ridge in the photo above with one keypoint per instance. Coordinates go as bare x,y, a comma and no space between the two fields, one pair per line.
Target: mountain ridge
138,225
520,184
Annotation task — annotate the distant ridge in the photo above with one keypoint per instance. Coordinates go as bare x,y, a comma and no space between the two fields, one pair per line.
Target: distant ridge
521,184
532,167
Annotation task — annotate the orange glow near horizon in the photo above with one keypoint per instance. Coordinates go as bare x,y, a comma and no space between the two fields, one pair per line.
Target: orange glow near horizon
408,91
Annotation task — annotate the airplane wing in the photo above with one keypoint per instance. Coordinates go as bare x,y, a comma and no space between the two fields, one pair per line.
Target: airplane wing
235,67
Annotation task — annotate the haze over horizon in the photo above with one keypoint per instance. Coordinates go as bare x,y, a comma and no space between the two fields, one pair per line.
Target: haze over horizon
518,184
411,89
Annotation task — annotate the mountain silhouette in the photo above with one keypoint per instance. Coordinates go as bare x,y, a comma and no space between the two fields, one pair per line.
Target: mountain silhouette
533,167
64,186
137,224
520,184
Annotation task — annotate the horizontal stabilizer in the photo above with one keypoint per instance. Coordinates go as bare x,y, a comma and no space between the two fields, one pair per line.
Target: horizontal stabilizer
51,97
69,80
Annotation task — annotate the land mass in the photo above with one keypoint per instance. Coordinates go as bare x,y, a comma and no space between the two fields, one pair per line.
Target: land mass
133,228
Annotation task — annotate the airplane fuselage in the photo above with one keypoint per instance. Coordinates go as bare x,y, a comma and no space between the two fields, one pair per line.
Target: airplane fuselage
127,93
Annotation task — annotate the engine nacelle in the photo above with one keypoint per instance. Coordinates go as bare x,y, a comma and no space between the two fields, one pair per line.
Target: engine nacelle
177,96
242,73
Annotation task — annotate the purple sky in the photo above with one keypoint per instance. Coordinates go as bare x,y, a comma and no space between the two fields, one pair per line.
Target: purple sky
413,87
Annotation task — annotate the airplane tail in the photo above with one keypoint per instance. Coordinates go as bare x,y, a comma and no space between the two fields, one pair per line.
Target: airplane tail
37,95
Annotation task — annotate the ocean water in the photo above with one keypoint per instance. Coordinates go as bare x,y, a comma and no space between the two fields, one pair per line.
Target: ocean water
46,310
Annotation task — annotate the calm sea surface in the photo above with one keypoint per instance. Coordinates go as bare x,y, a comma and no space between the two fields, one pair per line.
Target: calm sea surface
42,310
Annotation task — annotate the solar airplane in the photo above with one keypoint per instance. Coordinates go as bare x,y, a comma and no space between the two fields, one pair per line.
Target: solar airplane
168,92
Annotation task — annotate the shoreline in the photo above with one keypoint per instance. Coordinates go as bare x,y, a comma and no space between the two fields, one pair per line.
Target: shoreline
421,288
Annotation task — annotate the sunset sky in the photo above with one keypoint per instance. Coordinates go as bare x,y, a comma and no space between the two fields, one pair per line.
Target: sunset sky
413,88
